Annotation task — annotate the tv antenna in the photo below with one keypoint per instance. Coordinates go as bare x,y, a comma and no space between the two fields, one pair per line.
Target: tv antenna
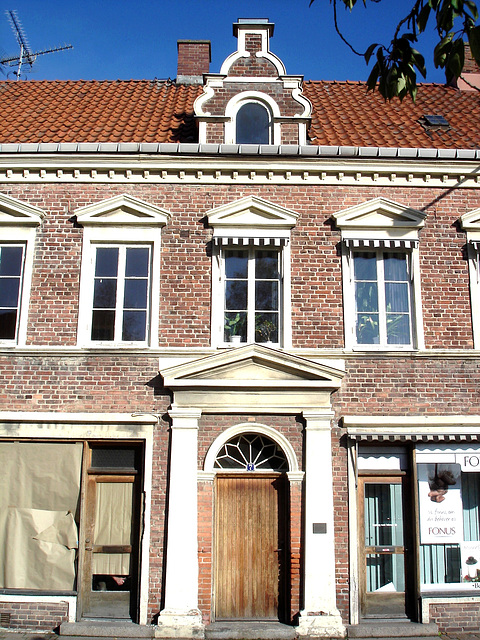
27,57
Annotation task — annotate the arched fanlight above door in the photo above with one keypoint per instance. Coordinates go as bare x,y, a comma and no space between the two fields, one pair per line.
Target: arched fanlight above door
251,452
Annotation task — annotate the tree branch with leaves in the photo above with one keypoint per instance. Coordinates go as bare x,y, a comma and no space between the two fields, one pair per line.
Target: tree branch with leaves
394,72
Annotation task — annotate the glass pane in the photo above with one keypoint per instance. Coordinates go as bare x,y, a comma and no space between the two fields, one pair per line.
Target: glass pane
266,265
386,572
236,294
383,515
440,563
367,328
266,327
365,265
236,264
137,260
134,325
108,457
253,124
396,296
11,261
9,290
395,266
398,328
106,264
8,324
266,295
366,296
105,293
136,294
103,325
235,324
251,452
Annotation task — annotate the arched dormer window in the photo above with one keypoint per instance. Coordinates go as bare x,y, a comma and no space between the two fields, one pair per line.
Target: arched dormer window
252,117
253,124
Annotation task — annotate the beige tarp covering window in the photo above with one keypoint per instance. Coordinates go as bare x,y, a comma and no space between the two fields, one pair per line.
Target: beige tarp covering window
113,524
39,493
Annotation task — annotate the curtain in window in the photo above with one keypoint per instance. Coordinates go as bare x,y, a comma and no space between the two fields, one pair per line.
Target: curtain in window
39,495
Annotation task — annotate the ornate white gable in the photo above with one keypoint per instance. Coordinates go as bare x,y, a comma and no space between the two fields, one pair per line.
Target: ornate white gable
253,378
122,210
14,212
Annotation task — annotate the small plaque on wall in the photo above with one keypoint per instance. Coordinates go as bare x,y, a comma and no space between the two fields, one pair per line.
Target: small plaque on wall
319,527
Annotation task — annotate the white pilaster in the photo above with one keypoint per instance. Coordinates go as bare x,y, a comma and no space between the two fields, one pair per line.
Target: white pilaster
320,616
181,618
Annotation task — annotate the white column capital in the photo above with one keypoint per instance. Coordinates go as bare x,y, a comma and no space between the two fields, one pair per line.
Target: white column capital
318,420
184,418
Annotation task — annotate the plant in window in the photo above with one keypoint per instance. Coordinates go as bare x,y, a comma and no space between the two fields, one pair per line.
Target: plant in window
265,329
234,326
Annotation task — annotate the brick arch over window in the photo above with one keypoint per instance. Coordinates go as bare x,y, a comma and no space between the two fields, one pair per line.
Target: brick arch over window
250,428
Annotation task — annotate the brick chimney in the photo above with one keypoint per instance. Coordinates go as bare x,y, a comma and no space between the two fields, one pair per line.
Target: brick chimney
470,78
194,57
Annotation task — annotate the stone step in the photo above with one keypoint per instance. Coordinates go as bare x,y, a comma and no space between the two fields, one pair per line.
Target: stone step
105,629
249,631
381,629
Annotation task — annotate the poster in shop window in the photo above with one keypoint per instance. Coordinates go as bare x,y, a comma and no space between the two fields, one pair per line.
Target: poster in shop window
470,554
440,501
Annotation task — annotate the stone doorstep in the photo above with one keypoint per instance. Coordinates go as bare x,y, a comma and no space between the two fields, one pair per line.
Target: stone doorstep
105,629
386,629
249,631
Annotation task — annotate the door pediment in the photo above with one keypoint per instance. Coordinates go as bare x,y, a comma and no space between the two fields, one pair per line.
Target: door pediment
254,378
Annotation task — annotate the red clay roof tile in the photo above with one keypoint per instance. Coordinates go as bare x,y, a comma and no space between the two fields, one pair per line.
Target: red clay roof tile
161,111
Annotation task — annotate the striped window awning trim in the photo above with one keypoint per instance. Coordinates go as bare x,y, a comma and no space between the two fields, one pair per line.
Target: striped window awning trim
353,243
414,437
234,241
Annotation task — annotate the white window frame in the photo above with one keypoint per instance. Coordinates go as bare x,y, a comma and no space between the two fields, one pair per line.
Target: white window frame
471,223
119,221
381,224
244,97
19,222
382,312
252,249
251,222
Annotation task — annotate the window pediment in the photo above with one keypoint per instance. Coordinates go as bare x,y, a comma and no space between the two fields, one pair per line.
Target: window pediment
15,212
470,222
122,210
380,218
251,213
253,362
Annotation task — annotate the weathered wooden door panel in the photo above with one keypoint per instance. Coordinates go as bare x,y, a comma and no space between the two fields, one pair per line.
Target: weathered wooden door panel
247,547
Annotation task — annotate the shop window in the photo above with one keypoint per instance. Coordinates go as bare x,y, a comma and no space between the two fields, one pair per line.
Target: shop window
253,124
449,499
39,514
383,295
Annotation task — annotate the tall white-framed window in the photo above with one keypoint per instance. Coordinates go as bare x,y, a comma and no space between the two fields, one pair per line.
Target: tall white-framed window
382,283
120,277
381,276
471,223
251,283
18,222
253,294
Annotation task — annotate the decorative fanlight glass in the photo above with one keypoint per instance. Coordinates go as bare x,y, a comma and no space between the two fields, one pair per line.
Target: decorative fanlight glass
251,452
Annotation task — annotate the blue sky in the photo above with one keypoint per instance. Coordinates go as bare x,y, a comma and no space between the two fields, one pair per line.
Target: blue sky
137,39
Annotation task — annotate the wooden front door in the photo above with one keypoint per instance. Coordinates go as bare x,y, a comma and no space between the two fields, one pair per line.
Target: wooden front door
251,547
382,547
109,584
